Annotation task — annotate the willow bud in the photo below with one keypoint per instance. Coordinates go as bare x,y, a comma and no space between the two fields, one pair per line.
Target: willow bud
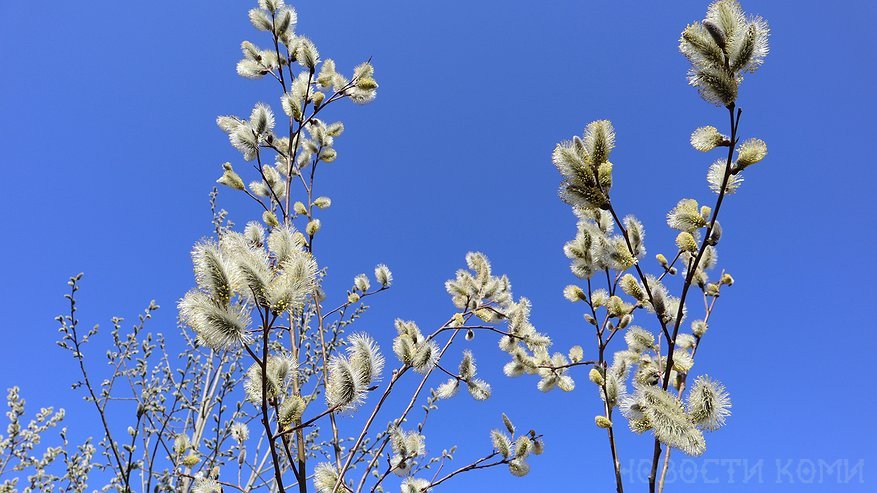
230,179
323,202
576,353
191,459
661,260
270,219
574,293
312,227
716,33
596,376
685,242
366,83
318,98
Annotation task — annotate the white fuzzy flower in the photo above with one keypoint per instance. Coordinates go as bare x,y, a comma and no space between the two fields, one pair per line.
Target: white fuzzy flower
706,138
708,403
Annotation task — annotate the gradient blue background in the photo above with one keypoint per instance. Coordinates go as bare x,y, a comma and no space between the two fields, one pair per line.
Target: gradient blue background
109,151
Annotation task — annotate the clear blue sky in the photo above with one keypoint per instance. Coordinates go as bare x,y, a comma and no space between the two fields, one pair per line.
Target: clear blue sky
109,151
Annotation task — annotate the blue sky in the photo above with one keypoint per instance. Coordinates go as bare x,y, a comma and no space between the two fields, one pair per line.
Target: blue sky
110,151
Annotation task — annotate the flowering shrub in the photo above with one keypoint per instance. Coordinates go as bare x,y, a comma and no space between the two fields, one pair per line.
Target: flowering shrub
274,390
